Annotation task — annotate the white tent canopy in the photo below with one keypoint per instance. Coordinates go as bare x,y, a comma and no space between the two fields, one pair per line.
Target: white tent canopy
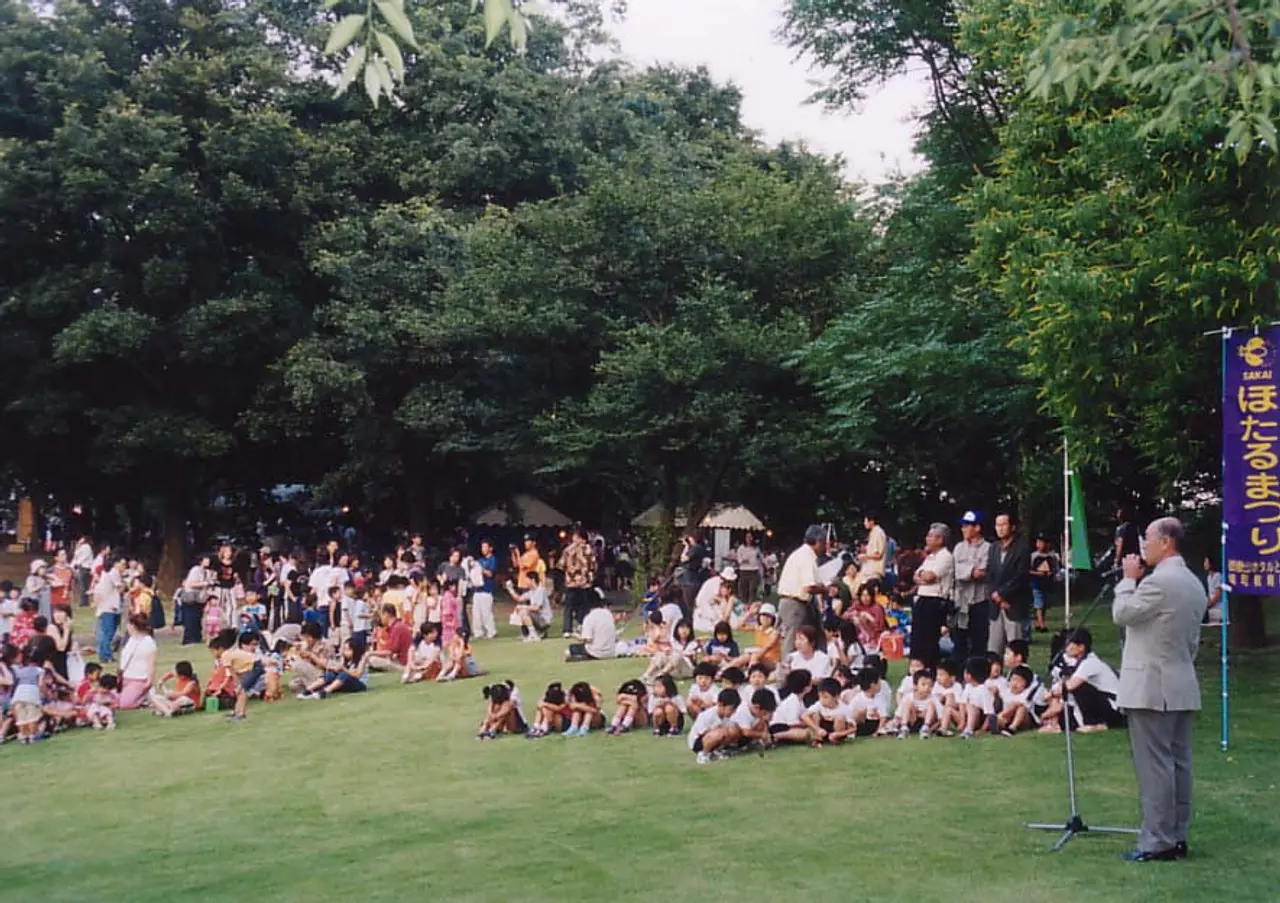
528,512
721,517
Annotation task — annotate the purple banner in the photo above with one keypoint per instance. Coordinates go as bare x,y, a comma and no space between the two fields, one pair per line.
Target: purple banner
1251,460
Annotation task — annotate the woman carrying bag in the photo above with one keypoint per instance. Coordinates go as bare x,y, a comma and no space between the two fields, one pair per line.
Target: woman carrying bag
194,590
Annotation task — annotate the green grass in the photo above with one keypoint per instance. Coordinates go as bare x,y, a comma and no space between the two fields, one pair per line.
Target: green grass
387,796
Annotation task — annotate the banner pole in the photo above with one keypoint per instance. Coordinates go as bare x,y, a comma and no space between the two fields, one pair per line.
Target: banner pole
1066,531
1225,584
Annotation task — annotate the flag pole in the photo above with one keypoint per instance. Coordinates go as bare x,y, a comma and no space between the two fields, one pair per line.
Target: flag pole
1225,601
1066,531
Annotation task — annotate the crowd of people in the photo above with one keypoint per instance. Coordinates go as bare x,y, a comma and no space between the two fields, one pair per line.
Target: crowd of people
813,670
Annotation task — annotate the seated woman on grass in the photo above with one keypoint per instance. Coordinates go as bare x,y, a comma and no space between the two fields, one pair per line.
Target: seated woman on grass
351,677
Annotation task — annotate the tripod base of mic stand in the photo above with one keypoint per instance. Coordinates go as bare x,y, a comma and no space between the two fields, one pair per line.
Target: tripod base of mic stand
1075,825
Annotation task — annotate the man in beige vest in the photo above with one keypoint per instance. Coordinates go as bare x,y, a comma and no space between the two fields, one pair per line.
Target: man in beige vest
1158,688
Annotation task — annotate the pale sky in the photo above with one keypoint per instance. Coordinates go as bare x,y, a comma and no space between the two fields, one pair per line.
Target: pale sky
735,40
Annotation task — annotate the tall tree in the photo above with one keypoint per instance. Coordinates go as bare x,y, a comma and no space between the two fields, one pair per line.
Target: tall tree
155,194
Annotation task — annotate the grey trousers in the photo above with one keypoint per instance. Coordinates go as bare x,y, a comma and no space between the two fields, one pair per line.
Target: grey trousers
1003,630
791,615
1161,744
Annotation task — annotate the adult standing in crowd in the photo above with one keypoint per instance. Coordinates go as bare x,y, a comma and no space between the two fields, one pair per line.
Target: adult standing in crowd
61,580
935,585
528,560
37,588
195,590
224,582
749,562
1158,689
82,567
59,631
692,572
579,563
108,600
482,599
972,597
797,584
1009,573
872,559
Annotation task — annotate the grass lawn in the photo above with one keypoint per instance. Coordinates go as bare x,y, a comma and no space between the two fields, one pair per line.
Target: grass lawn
387,796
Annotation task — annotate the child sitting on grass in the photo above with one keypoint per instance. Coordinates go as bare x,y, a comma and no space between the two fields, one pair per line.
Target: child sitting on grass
424,658
946,691
666,708
829,720
872,704
503,714
462,662
976,699
703,693
714,730
754,717
722,649
1024,702
766,648
632,701
919,710
553,712
103,702
787,724
183,697
584,709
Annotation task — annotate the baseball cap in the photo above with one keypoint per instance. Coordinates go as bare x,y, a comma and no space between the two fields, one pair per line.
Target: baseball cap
971,517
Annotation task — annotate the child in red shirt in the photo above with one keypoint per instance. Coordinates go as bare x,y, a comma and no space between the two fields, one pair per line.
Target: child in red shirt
92,671
182,698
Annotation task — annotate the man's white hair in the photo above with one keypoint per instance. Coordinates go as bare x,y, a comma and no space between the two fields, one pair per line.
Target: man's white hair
1167,528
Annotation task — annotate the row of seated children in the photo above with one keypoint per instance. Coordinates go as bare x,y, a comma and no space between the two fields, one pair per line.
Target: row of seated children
829,709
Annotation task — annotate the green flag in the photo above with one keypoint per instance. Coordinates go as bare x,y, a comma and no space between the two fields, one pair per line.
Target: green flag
1080,559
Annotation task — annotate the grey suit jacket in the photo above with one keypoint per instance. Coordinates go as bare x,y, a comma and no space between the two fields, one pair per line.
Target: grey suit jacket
1161,616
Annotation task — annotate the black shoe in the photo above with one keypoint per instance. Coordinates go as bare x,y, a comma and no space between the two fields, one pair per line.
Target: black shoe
1143,856
1180,849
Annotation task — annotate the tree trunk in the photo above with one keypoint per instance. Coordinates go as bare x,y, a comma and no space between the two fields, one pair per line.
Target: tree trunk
173,551
1248,626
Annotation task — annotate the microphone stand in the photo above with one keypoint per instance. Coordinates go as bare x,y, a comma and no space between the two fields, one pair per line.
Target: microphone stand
1075,824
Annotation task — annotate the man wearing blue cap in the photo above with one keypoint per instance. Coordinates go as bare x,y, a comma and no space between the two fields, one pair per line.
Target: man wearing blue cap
972,598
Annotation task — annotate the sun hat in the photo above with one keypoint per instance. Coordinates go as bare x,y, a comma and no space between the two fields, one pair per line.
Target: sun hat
769,609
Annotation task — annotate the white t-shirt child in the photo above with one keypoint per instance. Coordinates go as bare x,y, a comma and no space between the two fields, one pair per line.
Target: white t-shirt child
789,712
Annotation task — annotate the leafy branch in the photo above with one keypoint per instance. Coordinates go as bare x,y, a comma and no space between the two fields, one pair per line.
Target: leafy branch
1191,55
374,40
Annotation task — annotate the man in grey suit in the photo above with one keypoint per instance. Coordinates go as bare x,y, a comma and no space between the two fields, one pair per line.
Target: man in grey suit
1158,689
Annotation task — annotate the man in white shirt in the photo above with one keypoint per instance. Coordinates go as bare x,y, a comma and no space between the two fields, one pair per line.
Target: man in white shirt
935,584
108,600
599,635
797,584
872,560
82,567
749,564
